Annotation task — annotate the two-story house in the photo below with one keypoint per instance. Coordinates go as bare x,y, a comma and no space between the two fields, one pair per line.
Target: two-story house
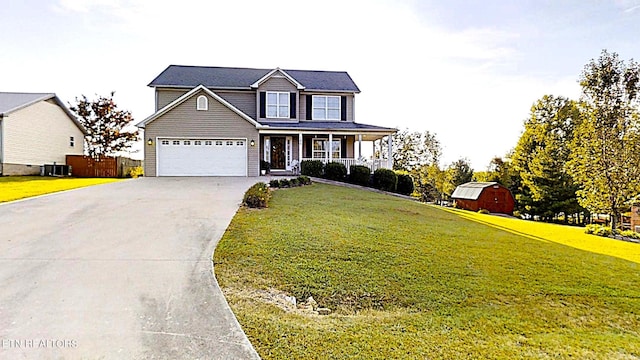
218,121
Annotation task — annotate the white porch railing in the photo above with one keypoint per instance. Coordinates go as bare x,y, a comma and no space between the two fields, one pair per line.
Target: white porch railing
372,164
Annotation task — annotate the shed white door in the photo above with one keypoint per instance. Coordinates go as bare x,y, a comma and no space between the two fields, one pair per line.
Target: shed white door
202,157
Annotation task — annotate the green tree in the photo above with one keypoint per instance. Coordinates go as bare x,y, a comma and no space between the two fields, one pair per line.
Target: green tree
412,150
109,128
541,156
605,153
460,172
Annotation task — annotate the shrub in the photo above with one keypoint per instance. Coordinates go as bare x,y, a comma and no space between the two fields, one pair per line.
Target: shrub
312,168
136,172
359,174
483,211
284,183
265,165
294,182
257,196
599,230
335,171
385,179
274,183
405,184
630,234
304,180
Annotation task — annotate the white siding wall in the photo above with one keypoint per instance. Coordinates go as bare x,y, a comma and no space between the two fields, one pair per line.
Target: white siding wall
39,134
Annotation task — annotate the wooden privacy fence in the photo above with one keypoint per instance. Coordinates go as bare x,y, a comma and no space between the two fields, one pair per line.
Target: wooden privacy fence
104,166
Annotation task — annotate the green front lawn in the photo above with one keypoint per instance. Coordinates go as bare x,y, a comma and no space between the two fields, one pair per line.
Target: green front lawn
20,187
407,280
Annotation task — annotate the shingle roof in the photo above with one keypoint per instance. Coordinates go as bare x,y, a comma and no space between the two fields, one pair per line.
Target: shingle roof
243,78
471,190
325,125
12,101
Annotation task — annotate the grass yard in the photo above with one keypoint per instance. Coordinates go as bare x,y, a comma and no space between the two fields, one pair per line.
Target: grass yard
407,280
20,187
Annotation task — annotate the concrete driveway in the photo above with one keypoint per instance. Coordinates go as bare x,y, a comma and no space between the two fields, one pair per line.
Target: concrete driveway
119,271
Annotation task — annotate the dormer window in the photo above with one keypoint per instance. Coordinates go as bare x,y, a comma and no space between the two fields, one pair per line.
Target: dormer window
278,105
326,107
202,103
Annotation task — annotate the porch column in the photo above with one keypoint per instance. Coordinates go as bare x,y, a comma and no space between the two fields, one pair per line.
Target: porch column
390,157
300,145
330,147
359,146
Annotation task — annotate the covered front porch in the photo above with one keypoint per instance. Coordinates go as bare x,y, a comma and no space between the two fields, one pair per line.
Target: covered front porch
285,150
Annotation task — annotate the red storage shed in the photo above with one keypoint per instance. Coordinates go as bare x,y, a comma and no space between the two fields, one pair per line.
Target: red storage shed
490,196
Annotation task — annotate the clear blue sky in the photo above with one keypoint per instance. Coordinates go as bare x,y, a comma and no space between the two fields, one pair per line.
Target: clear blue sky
466,70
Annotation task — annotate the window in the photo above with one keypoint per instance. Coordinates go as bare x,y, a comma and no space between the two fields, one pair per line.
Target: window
72,141
229,143
218,143
239,143
176,142
321,147
202,103
277,104
165,142
326,107
187,142
208,142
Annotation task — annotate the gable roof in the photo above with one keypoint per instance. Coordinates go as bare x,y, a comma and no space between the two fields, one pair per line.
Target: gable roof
181,76
14,101
189,94
471,190
284,73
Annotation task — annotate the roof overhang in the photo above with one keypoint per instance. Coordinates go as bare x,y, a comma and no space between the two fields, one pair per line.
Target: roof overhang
45,97
188,95
256,84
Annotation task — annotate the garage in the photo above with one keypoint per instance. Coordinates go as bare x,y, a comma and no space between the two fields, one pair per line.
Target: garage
201,157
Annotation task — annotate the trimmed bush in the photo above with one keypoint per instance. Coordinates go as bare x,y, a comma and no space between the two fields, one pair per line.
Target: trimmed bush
335,171
360,175
630,234
483,211
312,168
385,179
599,230
257,196
304,180
274,183
405,184
265,165
294,182
136,172
285,183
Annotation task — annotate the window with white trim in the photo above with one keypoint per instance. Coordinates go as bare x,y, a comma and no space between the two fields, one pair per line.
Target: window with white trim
218,143
176,142
229,143
202,103
278,105
197,142
326,107
208,142
187,142
165,142
320,149
239,143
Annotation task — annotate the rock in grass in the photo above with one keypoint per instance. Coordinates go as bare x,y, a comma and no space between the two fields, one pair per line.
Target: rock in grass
323,311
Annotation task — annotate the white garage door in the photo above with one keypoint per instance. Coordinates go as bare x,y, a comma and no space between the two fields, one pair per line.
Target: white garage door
202,157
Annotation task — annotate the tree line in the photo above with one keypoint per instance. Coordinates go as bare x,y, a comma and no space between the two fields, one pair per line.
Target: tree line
573,158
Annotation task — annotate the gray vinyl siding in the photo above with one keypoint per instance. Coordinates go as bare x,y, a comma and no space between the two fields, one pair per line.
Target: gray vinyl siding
302,105
186,122
245,101
276,84
166,96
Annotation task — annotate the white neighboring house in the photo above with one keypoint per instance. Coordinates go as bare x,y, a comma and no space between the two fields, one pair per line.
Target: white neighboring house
36,129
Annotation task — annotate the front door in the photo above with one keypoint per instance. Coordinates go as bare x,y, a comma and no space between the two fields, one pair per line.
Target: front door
278,155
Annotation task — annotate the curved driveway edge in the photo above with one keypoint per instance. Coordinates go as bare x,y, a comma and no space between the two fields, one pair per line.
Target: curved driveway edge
122,270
